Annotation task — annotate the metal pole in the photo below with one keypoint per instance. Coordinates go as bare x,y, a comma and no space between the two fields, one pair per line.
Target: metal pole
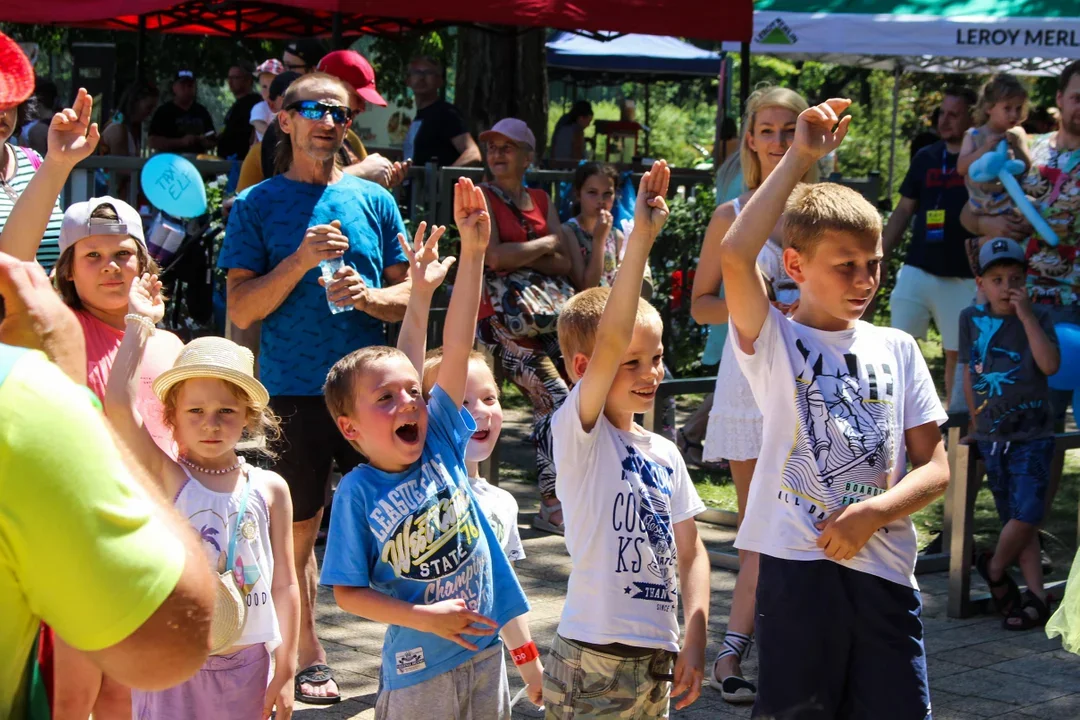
140,48
648,123
336,31
744,77
895,112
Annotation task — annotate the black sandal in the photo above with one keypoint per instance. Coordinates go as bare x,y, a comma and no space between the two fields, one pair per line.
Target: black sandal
1027,620
1010,601
315,675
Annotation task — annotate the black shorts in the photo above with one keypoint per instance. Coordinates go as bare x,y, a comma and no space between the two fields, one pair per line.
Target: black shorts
310,444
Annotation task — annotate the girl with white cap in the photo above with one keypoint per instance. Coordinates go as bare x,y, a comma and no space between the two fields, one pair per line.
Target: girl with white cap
243,514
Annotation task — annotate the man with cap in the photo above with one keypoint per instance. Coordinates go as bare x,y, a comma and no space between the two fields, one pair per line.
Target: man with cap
439,132
356,72
236,137
279,232
181,124
1009,348
302,55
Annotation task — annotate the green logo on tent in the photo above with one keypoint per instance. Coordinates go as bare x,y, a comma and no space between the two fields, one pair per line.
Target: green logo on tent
777,33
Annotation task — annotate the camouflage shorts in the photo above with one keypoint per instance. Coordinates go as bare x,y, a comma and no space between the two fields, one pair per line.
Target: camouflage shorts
581,683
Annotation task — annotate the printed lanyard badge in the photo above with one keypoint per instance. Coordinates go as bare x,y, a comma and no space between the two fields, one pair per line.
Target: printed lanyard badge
935,225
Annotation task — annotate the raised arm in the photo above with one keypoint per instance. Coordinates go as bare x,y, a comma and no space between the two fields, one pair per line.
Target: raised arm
72,138
1044,351
617,322
474,224
145,310
706,305
427,273
819,131
1018,141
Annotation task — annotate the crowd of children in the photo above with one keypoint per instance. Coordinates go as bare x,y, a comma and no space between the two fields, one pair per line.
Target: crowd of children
421,543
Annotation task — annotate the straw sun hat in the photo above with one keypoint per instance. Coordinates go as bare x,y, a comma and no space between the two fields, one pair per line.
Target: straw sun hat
214,357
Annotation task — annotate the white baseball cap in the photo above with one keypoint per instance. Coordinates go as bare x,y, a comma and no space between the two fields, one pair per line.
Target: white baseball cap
78,223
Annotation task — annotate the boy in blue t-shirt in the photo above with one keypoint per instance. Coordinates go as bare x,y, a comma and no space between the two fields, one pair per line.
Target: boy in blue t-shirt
408,545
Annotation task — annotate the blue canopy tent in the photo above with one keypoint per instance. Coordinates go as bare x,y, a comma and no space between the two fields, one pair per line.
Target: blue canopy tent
580,60
633,57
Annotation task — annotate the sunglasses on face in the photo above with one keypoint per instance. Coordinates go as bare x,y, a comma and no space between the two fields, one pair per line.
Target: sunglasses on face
315,110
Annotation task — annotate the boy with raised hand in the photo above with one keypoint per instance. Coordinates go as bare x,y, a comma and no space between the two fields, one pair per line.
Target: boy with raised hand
846,406
408,545
629,507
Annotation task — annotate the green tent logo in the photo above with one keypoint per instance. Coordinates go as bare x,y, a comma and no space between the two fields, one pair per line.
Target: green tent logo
777,33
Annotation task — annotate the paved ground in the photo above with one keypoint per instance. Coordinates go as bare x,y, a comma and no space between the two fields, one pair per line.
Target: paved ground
977,670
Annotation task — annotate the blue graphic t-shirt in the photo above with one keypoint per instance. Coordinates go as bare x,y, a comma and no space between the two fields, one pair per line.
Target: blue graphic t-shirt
1012,396
301,340
420,537
623,493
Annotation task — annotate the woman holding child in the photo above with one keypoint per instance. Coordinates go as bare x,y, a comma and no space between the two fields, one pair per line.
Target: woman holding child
735,423
525,235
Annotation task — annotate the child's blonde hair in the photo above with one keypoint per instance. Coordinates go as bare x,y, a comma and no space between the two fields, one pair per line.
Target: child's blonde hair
580,318
433,361
760,99
813,210
339,388
260,422
1002,86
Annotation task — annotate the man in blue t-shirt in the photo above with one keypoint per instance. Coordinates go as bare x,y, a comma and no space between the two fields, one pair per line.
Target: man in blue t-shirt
935,281
278,233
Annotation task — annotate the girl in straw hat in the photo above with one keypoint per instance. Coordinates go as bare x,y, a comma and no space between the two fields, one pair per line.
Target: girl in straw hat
243,514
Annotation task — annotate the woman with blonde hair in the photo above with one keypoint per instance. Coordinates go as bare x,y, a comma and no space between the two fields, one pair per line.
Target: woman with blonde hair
735,423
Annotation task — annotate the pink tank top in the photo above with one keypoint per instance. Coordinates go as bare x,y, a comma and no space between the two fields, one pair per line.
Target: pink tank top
102,343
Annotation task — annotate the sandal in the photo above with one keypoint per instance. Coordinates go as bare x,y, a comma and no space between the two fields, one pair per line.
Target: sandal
1010,601
542,520
315,675
1027,621
734,689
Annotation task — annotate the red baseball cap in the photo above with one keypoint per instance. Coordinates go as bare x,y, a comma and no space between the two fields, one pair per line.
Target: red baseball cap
16,74
353,68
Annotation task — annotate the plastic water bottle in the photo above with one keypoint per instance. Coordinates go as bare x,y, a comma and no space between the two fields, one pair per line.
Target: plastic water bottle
329,268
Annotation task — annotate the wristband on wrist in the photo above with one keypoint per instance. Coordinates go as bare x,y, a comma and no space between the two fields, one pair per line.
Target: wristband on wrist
525,654
146,323
94,399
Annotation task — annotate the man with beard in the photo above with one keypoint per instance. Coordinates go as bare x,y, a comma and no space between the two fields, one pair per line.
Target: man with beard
935,280
1053,182
278,233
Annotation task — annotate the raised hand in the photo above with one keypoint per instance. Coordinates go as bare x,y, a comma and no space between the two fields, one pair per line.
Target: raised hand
72,137
603,226
426,270
651,210
820,130
144,298
471,216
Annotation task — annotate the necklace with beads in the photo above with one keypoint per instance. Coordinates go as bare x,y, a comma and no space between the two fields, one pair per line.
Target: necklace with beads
223,471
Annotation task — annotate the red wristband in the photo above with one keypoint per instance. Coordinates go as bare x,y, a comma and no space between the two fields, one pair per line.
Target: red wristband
525,653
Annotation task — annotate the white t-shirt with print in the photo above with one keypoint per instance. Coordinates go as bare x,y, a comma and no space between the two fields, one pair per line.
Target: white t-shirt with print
836,406
501,510
622,494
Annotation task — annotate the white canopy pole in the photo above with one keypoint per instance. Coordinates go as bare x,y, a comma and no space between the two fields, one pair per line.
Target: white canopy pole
897,72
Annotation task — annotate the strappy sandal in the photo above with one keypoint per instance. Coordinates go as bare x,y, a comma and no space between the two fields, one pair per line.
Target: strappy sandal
1008,602
542,520
734,689
315,675
1027,621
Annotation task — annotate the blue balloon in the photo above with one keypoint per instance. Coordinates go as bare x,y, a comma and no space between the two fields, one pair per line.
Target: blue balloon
996,165
174,186
1068,375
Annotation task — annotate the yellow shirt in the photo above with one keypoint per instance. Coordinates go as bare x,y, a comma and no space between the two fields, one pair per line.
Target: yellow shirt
79,545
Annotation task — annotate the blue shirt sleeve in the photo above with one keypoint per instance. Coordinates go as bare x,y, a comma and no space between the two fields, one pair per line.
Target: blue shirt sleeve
244,247
349,546
448,424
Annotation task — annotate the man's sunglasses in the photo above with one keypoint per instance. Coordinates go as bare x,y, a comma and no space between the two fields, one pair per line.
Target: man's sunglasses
315,110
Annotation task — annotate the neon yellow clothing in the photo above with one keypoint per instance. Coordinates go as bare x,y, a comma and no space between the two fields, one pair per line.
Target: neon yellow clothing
79,545
1066,619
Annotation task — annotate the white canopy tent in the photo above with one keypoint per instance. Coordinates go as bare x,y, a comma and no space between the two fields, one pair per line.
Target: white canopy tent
1028,37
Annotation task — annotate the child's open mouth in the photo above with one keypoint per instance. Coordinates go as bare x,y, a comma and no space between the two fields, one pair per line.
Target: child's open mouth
409,432
481,435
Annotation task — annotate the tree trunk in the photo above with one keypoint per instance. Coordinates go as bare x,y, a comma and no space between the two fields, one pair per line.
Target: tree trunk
502,74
